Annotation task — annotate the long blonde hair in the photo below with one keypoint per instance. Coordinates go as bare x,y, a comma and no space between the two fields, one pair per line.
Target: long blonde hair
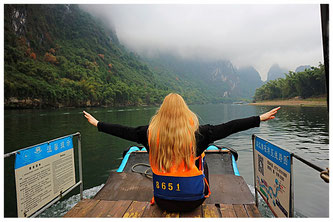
172,134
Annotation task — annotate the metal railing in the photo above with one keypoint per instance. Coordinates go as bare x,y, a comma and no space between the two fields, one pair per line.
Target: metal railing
324,174
79,183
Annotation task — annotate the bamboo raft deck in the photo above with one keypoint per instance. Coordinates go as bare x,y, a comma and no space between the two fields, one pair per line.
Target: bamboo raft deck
128,194
134,209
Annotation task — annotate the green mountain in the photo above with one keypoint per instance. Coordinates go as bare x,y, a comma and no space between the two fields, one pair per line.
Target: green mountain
59,55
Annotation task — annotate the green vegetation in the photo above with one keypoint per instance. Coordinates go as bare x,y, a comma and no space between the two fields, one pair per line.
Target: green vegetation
308,83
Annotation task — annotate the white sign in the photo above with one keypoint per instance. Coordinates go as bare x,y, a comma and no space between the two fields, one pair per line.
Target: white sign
42,173
273,176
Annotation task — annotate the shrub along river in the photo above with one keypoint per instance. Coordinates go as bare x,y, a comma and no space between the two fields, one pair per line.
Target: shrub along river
301,130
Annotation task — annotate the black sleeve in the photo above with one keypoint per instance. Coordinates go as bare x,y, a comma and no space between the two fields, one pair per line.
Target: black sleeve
225,129
135,134
210,133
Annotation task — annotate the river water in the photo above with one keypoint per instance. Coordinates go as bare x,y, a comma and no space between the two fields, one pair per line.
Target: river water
301,130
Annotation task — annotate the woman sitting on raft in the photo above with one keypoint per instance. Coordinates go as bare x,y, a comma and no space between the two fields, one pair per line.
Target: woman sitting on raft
176,144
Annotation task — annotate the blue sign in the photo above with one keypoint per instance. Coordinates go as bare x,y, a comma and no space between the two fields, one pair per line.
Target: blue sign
42,151
277,155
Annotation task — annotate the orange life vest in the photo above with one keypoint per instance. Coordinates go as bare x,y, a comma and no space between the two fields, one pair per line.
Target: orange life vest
180,183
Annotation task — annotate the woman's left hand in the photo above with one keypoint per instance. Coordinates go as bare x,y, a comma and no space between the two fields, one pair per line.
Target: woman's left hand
269,115
90,119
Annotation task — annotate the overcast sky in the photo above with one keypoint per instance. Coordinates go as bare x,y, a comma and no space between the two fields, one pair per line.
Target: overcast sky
257,35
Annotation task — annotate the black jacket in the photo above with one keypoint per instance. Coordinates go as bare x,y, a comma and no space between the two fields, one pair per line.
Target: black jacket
204,136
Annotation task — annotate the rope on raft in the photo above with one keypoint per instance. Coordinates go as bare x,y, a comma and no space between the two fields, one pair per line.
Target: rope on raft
149,175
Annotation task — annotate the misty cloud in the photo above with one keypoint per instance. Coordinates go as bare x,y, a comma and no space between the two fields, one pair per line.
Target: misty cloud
257,35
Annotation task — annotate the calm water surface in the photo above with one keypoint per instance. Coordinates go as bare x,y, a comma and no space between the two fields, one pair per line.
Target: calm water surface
301,130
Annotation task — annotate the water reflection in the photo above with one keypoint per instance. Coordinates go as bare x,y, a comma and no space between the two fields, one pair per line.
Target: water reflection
302,130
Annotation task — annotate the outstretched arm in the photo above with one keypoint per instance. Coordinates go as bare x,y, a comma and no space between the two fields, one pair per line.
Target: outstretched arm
135,134
223,130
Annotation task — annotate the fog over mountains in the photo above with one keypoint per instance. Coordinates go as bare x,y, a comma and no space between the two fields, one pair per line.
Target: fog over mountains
220,77
247,35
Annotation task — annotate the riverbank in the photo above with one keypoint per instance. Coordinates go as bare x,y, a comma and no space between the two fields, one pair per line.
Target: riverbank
293,102
30,103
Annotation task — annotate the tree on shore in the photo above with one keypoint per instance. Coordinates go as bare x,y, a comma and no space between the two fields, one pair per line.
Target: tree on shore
309,83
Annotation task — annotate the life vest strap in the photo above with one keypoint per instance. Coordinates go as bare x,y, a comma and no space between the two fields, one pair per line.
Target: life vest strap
209,193
152,201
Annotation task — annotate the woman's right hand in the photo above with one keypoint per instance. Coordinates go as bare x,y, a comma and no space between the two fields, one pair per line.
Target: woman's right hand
90,119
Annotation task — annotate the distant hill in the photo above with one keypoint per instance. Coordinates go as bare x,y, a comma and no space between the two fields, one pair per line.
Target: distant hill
219,81
276,72
302,68
250,80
